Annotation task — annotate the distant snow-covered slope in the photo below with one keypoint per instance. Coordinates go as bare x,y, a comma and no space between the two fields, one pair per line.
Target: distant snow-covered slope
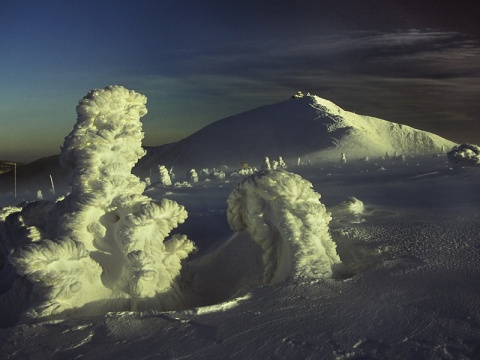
308,127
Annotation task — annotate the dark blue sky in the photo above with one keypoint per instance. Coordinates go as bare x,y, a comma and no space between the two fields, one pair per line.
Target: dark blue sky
414,62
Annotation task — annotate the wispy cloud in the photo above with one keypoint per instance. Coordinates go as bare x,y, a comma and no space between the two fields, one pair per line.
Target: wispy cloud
427,79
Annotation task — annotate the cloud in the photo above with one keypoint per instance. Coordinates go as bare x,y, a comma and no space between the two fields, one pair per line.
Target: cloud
424,78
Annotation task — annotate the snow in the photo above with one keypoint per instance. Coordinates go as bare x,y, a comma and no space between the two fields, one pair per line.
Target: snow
102,247
307,127
386,266
465,155
284,216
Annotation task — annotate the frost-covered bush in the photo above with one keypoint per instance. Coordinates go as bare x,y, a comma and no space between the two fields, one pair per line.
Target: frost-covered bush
281,163
244,171
283,215
184,184
217,174
103,247
464,155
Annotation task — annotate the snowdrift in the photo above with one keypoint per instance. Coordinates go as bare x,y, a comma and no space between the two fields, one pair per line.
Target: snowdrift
306,127
104,247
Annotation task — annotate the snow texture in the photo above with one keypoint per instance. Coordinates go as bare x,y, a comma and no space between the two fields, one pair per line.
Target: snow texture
464,155
283,215
102,248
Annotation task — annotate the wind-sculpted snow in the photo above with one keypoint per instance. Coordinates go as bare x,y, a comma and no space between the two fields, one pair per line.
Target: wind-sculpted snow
102,248
464,155
283,215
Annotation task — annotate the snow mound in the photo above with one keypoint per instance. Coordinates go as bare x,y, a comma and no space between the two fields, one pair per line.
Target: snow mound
464,155
282,213
101,248
307,127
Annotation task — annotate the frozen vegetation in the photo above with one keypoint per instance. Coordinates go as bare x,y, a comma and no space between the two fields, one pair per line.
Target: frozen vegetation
386,266
465,155
284,216
104,246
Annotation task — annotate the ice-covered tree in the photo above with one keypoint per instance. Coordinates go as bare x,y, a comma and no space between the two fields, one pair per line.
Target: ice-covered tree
164,176
464,155
192,176
283,215
103,247
266,164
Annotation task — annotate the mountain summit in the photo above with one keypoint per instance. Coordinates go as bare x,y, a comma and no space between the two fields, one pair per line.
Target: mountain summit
305,126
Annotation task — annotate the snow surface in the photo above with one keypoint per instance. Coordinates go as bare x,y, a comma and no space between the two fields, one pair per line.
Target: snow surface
405,230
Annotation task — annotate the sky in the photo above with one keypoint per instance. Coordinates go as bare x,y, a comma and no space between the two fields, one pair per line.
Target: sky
412,62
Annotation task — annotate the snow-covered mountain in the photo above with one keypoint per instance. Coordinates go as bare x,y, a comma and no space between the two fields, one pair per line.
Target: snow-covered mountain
305,126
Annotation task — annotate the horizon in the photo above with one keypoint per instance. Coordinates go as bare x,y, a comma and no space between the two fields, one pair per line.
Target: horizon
416,64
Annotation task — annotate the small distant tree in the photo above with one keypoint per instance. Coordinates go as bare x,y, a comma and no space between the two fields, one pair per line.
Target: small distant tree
281,163
266,164
164,177
192,176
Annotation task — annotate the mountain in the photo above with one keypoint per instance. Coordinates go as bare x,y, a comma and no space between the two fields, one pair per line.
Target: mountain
6,166
34,176
306,127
